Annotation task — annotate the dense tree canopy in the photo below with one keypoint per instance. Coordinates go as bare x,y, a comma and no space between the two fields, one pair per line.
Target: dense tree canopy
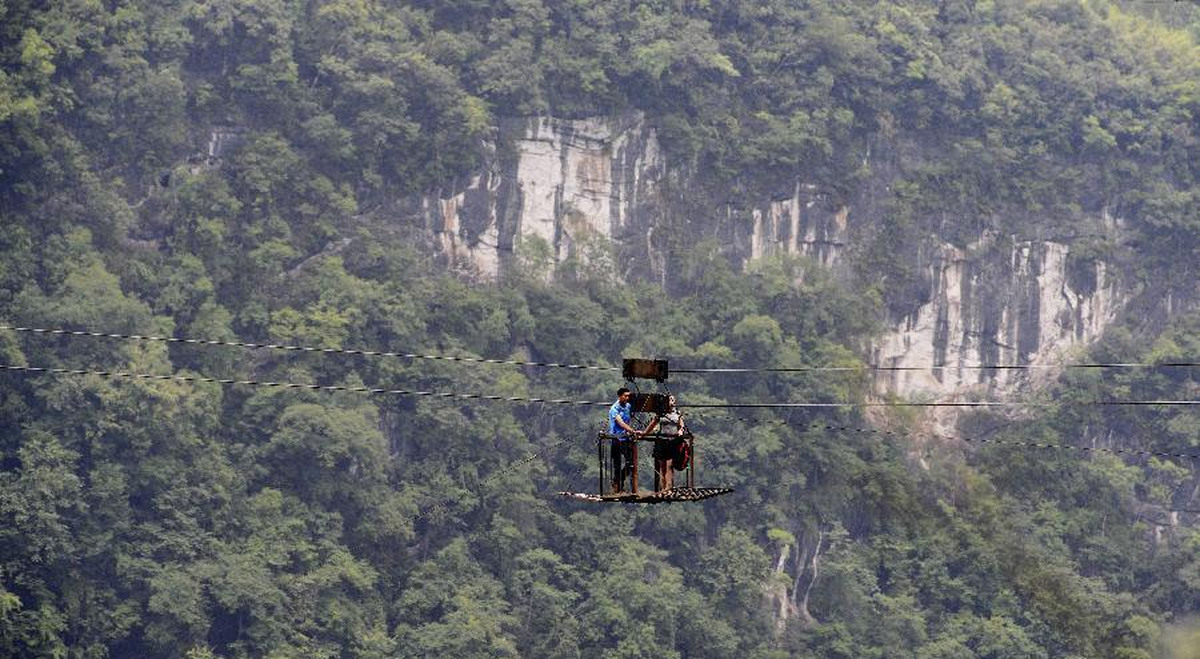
166,519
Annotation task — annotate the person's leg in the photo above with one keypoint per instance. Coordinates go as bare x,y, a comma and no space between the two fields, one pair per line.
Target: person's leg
616,455
668,478
662,472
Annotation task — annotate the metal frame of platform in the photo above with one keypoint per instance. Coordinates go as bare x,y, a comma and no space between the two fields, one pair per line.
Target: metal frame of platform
652,403
603,445
668,496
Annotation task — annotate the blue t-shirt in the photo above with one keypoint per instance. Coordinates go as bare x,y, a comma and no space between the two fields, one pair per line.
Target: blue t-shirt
622,411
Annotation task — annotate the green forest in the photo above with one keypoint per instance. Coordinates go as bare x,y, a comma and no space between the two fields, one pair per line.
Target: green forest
167,518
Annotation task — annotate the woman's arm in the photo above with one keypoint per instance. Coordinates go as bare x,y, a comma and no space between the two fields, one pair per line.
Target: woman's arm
650,428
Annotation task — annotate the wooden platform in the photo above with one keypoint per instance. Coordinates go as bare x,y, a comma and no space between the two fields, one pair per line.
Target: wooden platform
670,496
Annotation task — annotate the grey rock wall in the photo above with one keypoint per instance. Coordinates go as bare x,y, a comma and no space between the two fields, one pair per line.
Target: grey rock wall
573,185
559,184
993,306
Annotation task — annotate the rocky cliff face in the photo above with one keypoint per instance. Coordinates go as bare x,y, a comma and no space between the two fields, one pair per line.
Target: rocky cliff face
992,306
563,186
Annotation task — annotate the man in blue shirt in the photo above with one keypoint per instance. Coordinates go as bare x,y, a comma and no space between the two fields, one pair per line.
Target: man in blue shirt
620,426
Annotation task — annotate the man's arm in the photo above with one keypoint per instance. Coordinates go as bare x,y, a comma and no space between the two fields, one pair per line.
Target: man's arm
626,426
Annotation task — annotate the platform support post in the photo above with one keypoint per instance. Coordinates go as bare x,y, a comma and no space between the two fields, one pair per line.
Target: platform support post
657,474
634,476
600,462
692,463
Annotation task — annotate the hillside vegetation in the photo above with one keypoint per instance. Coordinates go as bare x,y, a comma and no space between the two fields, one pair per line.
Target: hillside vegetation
169,519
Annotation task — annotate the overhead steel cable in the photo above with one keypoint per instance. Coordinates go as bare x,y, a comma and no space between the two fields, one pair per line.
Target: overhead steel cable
299,385
581,367
547,401
975,367
965,403
970,440
294,348
519,399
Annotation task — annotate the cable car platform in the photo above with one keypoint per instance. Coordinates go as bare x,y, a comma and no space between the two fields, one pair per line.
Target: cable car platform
669,496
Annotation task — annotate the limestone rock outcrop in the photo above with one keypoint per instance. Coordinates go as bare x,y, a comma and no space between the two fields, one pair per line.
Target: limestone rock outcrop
578,189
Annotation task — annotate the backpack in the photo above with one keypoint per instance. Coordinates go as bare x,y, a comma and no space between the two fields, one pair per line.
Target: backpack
683,455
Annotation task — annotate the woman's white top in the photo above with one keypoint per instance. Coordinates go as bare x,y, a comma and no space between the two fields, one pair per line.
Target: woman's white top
672,419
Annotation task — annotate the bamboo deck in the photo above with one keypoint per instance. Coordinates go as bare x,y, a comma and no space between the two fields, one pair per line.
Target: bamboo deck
670,496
